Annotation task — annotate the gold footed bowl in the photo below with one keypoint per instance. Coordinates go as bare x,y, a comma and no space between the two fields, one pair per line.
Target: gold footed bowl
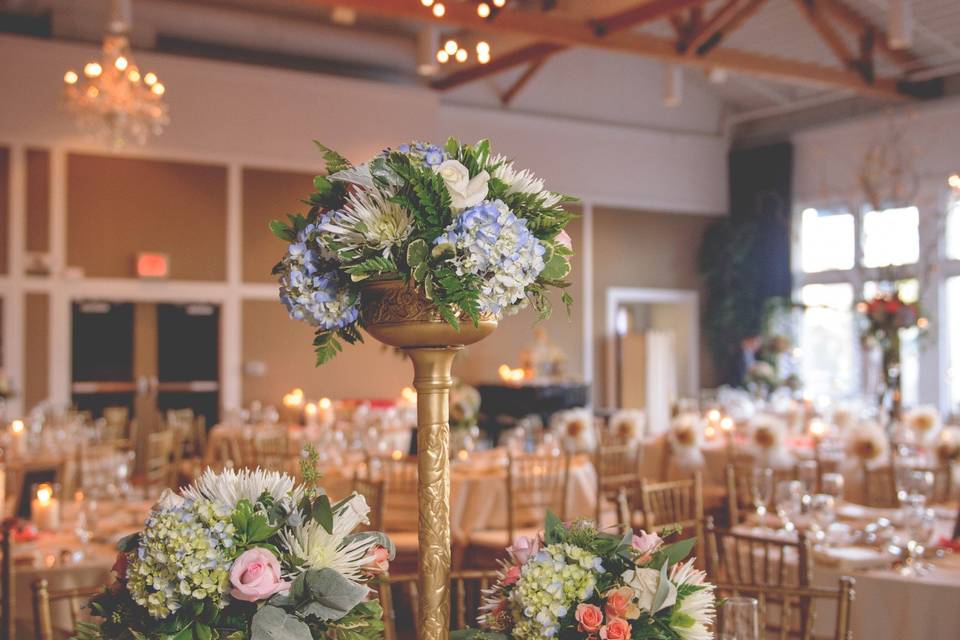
399,315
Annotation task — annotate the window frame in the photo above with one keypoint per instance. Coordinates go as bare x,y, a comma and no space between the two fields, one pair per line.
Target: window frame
933,201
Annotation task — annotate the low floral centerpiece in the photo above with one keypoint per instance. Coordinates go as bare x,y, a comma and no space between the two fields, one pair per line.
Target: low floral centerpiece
471,235
577,583
245,555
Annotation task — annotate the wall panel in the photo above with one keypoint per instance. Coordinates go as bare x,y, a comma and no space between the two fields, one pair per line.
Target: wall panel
4,208
268,195
38,200
118,206
36,379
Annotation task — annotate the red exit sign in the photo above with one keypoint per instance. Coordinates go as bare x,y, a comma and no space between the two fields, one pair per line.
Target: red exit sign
153,265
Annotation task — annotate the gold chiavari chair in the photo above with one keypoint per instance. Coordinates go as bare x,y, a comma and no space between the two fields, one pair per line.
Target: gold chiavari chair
399,505
535,484
675,504
7,587
617,465
372,492
749,561
272,450
739,479
783,606
116,421
159,466
44,599
465,596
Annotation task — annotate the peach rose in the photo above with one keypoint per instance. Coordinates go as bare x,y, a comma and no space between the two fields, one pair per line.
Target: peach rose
523,548
615,629
511,576
255,575
589,617
620,604
379,560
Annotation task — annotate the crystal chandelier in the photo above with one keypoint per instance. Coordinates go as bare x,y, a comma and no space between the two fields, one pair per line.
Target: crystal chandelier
111,97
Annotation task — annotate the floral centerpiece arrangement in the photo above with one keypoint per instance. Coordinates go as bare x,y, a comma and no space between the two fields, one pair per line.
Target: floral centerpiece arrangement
473,234
577,583
881,319
245,555
575,429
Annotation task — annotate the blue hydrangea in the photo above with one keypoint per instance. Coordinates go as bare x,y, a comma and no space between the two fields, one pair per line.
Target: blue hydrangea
430,154
491,242
311,289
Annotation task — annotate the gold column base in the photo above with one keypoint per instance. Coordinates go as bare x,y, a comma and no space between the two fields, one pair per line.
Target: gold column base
432,379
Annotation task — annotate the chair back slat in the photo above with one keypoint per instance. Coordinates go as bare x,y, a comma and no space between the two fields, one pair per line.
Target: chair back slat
617,465
466,589
372,492
535,484
676,503
159,468
44,600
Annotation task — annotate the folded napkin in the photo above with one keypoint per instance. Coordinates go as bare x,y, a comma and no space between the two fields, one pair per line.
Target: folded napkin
852,558
853,511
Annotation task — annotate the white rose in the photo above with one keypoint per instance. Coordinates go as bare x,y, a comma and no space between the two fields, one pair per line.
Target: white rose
168,501
464,191
644,583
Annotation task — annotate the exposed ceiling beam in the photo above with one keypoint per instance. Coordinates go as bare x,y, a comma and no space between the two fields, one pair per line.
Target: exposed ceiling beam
855,20
507,97
812,11
711,26
562,32
535,52
642,13
732,24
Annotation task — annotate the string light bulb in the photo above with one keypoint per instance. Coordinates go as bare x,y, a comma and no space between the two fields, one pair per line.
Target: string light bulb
451,46
443,57
92,69
150,79
439,10
71,77
158,89
461,55
483,10
120,63
499,3
954,181
427,3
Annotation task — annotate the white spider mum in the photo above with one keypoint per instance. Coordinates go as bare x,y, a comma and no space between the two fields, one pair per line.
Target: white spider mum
368,222
694,612
229,487
523,181
318,549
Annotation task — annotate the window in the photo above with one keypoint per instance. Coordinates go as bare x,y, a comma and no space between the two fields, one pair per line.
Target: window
891,237
828,340
827,241
953,337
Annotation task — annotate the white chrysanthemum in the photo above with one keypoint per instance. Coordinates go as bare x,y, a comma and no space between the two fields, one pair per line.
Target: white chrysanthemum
697,609
523,181
628,425
575,428
318,549
869,442
229,487
924,422
368,222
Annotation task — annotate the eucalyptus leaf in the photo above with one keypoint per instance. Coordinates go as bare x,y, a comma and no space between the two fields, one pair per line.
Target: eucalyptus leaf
328,595
377,537
273,623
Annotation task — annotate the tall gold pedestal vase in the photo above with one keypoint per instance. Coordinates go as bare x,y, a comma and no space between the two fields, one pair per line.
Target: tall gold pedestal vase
400,316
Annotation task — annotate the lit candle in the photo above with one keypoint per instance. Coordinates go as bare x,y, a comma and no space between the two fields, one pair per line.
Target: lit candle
45,509
397,454
327,415
710,432
818,429
310,410
713,417
18,438
726,424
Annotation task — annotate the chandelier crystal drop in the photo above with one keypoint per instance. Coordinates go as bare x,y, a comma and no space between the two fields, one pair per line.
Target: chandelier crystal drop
113,98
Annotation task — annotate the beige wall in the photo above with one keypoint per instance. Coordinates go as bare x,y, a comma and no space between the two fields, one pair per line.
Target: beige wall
268,195
642,249
36,345
479,363
285,346
118,206
4,201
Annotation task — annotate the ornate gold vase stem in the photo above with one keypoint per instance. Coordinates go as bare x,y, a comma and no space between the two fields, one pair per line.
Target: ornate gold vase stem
432,380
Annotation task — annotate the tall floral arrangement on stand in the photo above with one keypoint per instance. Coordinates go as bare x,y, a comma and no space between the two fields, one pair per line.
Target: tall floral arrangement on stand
881,319
245,555
474,234
577,583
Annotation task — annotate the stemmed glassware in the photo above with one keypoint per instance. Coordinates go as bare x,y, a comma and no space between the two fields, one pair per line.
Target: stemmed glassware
823,511
831,484
739,619
789,503
762,490
919,522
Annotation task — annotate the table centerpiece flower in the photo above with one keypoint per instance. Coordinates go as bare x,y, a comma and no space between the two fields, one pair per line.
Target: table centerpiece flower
244,555
579,583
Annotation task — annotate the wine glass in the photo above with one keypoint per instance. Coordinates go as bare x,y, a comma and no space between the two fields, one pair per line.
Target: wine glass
823,511
832,485
807,471
739,619
761,490
789,502
919,522
912,482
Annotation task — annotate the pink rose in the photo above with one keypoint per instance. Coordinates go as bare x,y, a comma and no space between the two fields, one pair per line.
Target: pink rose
646,543
511,576
620,604
255,575
523,548
563,238
378,560
589,616
615,629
